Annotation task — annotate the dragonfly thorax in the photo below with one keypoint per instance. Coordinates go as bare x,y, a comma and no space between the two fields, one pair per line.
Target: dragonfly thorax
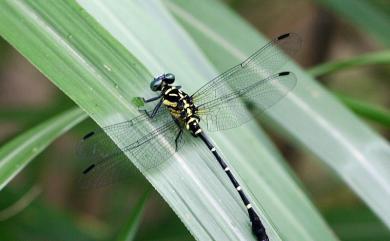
182,108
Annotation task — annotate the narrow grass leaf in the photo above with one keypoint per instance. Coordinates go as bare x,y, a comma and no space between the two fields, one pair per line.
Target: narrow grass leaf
366,15
369,111
49,223
18,152
381,57
372,112
130,229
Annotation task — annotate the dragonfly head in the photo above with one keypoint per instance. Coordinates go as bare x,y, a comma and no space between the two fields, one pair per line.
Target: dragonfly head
162,80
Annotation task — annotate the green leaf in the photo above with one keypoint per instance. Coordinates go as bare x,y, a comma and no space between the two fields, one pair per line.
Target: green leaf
369,111
17,153
346,218
102,77
267,178
310,115
48,223
361,108
130,229
381,57
365,15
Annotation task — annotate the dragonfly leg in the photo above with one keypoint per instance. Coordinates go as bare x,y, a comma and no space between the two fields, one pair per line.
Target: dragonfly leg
179,135
154,112
156,108
151,99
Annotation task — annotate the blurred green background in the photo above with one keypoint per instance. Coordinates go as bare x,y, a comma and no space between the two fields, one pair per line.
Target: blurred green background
43,202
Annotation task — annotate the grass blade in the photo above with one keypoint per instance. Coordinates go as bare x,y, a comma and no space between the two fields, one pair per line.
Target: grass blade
310,115
369,111
19,205
254,143
131,228
17,153
63,225
100,75
365,15
381,57
361,108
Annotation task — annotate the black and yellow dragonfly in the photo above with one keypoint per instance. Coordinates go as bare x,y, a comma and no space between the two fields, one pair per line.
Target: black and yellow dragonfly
157,133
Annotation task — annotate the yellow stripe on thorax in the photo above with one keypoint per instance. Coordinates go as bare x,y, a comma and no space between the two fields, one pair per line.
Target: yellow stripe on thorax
169,103
169,90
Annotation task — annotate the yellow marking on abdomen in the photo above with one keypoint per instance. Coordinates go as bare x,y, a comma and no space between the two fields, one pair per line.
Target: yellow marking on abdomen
192,119
189,112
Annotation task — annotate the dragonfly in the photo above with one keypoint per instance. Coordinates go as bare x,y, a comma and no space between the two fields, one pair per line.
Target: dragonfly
157,133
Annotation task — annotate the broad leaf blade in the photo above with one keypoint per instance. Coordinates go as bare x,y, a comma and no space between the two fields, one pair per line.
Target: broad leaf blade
310,116
100,75
269,181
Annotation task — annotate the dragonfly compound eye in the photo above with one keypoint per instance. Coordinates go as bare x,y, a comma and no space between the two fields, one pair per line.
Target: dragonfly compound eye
169,78
155,85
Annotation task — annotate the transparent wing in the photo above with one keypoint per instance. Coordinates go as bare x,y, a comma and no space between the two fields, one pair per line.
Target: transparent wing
229,111
263,63
148,142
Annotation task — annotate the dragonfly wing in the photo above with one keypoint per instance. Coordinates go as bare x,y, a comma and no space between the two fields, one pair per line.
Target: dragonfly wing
229,111
263,63
157,146
146,141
